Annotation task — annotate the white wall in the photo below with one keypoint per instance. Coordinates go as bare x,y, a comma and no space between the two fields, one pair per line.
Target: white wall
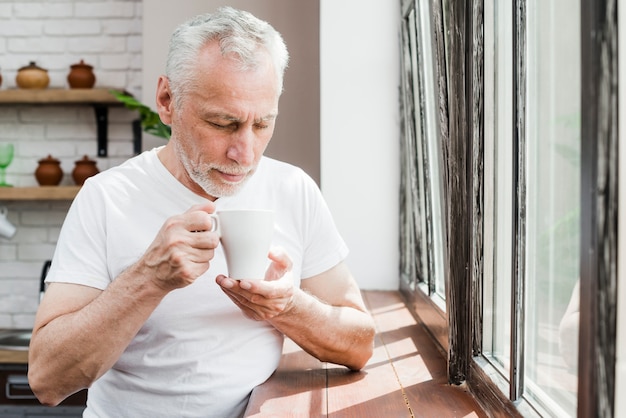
360,178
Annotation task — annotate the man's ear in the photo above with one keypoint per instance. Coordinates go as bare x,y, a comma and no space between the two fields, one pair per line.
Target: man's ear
164,100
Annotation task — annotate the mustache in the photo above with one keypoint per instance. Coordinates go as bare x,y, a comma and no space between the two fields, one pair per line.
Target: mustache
235,170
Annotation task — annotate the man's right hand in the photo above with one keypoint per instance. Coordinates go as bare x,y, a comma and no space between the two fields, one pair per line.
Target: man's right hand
183,248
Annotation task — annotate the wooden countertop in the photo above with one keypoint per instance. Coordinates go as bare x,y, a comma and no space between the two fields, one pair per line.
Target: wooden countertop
14,356
11,336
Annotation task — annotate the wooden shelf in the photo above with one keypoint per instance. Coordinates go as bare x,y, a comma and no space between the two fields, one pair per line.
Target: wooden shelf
58,96
39,193
100,99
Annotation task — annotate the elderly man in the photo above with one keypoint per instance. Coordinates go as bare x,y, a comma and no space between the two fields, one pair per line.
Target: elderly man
138,308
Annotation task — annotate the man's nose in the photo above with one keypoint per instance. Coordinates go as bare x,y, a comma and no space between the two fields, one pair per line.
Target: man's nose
241,148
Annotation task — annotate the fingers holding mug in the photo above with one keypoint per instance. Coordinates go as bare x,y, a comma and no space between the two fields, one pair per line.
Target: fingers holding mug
200,218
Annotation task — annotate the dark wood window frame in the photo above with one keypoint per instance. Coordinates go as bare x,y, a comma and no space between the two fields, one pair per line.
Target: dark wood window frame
458,38
599,209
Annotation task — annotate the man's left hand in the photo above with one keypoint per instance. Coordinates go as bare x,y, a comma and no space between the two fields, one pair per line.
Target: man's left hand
263,299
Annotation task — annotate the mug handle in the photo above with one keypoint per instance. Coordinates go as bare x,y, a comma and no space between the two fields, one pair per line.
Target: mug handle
215,224
3,211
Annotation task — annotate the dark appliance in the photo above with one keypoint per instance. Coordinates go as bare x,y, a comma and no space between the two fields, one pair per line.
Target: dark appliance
18,401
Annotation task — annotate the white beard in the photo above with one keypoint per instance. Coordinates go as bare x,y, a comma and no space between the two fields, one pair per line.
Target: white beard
200,174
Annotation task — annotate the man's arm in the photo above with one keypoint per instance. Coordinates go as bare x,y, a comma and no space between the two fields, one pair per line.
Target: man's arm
80,332
337,327
326,316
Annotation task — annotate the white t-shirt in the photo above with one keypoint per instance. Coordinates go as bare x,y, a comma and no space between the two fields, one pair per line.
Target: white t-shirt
197,355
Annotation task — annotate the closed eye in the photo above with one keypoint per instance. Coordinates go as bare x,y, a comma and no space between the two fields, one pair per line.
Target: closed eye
228,126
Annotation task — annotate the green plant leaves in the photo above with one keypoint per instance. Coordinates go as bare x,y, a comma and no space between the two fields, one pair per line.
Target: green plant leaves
150,121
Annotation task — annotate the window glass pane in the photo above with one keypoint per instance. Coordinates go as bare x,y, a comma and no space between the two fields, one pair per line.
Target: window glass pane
553,203
410,232
496,344
432,152
421,164
422,245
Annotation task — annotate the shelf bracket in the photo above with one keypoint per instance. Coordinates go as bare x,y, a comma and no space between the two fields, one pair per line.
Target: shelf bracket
137,136
102,121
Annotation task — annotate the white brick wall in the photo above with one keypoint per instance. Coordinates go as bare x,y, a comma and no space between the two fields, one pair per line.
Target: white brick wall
105,34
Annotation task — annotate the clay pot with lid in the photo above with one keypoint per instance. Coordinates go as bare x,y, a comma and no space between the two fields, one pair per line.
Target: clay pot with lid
81,76
49,172
32,77
84,169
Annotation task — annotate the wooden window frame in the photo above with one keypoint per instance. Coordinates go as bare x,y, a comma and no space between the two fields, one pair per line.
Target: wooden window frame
599,207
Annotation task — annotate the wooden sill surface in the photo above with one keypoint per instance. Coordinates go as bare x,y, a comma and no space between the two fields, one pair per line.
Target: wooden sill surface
406,376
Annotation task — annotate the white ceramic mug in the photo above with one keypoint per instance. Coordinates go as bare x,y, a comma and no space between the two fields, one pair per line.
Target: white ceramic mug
7,229
246,236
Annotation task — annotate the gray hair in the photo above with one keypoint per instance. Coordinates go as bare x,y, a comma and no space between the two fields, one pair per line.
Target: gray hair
239,33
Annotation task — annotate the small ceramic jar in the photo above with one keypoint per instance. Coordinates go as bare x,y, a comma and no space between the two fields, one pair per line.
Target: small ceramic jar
81,76
49,172
84,169
32,77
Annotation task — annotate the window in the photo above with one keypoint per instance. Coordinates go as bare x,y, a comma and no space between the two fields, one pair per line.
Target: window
422,244
535,231
521,205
